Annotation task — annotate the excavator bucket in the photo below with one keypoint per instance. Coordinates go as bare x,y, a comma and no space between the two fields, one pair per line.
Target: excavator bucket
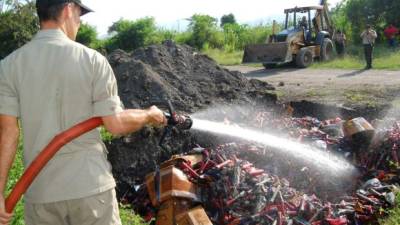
271,53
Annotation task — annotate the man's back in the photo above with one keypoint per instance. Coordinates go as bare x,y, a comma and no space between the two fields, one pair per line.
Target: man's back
59,83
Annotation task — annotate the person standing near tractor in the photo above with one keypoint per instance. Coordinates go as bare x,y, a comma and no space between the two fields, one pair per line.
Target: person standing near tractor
51,84
368,40
340,42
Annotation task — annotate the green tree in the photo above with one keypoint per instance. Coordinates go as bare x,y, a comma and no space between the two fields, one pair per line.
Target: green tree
227,19
17,26
391,11
129,35
340,20
204,32
87,35
353,15
6,5
235,36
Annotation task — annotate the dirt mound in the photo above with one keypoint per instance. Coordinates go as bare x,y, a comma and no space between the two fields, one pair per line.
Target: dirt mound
191,81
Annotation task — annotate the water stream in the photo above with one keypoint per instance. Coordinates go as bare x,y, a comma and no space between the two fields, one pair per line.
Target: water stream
307,154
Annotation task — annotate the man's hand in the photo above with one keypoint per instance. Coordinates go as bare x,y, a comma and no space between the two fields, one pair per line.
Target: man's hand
5,218
156,117
132,120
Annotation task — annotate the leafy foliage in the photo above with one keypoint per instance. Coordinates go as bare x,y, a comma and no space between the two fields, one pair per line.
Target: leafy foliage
204,32
353,15
128,217
227,19
394,214
130,35
105,135
238,36
87,35
17,26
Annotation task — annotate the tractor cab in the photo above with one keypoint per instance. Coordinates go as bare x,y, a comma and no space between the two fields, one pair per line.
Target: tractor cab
312,21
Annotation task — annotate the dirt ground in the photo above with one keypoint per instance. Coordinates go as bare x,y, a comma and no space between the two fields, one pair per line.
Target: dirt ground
335,87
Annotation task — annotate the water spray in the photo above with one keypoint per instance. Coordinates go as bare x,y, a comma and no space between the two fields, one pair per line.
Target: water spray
308,154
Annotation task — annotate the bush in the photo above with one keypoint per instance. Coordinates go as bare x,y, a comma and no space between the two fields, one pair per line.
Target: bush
238,36
353,15
130,35
17,27
183,37
204,32
87,35
227,19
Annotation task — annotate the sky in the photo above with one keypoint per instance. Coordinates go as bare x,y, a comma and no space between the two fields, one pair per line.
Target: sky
171,14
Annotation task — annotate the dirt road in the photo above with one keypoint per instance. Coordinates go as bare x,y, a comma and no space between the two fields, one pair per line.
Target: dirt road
339,87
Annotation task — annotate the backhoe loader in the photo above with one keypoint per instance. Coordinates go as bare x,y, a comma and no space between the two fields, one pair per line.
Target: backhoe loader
301,41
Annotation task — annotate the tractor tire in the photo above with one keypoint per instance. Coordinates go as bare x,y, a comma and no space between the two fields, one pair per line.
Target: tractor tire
304,58
269,65
327,50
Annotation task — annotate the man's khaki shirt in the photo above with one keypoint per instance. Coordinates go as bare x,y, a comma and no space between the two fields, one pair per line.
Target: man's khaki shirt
52,84
368,38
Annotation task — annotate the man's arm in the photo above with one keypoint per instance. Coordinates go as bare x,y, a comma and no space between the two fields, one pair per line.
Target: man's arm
374,34
107,105
132,120
9,133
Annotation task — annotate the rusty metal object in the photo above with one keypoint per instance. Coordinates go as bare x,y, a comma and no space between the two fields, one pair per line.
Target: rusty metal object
169,210
195,216
173,183
358,126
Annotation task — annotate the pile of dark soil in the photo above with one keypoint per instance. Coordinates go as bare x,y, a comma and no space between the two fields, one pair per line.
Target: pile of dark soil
178,73
192,82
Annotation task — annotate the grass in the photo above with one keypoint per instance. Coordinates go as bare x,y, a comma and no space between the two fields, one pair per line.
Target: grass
372,96
394,214
384,59
359,97
128,217
226,58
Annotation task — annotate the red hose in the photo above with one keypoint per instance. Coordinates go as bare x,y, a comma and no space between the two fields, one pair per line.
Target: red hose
45,155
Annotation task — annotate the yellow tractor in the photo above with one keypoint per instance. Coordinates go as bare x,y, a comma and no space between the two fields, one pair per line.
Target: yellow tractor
303,39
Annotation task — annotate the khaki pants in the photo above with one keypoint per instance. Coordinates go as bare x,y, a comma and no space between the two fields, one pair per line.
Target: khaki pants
100,209
368,49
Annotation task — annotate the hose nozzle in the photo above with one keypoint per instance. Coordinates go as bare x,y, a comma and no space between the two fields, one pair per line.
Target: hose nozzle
182,122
